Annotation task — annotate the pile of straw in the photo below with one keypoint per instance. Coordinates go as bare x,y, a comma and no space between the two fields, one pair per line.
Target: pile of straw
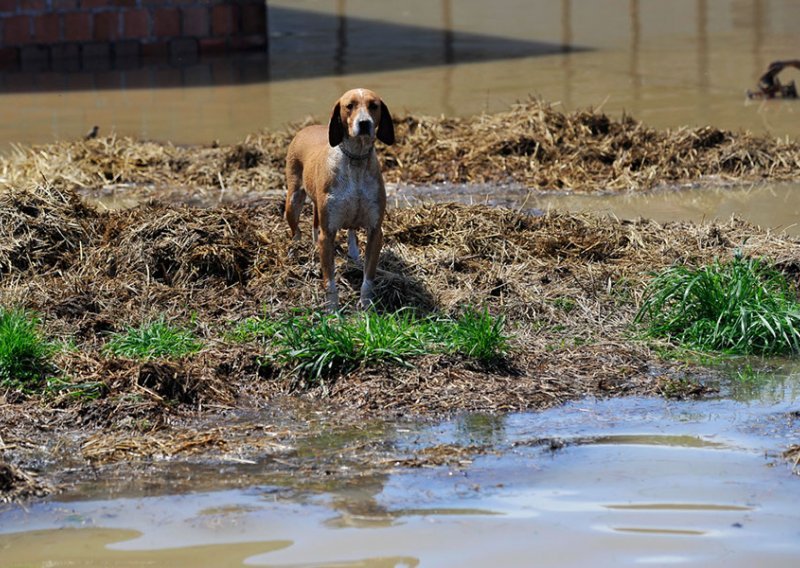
568,284
17,484
533,144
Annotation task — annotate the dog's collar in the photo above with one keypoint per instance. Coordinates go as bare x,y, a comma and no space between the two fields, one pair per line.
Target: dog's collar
355,157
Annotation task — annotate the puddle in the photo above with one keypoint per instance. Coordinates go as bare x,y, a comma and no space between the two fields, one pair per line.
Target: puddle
634,481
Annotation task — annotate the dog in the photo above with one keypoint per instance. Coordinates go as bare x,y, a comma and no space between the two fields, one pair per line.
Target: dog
337,167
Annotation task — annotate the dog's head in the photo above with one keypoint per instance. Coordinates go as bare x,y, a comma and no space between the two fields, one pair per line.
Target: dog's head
360,113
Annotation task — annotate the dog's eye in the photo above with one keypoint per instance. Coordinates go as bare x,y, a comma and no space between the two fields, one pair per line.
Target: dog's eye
351,106
373,105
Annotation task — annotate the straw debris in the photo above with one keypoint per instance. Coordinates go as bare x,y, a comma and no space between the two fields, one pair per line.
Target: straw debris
533,144
17,484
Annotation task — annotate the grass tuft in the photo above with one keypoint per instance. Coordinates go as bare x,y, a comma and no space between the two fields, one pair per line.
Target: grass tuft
154,340
742,306
476,334
253,329
24,353
316,347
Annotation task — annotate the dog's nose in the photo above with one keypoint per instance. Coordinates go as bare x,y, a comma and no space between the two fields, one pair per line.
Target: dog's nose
364,127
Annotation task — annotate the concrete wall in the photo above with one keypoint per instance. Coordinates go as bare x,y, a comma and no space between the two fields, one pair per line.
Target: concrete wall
87,34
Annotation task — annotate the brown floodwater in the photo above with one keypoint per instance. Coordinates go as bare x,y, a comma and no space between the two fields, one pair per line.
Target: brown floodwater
683,62
671,64
618,482
774,206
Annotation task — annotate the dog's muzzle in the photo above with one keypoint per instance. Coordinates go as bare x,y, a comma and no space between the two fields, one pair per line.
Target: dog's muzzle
364,128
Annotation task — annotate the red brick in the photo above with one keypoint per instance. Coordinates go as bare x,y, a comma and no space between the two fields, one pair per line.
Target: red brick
126,49
65,57
9,56
8,5
96,4
224,19
96,56
32,5
210,45
155,49
256,41
34,58
166,22
136,24
183,50
254,18
195,22
106,26
60,5
17,30
65,51
47,28
77,26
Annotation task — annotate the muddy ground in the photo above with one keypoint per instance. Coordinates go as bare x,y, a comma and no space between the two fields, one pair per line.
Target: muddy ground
568,286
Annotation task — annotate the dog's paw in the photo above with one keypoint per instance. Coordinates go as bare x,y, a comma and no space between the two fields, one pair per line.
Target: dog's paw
367,299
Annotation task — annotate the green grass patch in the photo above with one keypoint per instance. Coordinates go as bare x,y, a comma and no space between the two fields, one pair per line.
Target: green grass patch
475,334
154,340
316,347
253,329
24,352
741,306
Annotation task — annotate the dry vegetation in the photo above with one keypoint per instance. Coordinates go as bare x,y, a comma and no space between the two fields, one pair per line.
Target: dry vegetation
533,144
568,284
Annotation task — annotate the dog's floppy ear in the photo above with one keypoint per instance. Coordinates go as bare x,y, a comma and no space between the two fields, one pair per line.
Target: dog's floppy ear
336,128
386,126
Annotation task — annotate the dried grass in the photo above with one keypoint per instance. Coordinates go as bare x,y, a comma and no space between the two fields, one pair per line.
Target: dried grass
792,455
533,143
568,285
16,484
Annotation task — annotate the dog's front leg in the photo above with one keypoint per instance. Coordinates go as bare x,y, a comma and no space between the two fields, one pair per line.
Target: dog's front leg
371,253
327,245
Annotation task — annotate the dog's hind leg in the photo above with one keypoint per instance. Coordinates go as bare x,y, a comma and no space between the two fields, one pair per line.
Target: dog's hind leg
295,197
352,246
315,226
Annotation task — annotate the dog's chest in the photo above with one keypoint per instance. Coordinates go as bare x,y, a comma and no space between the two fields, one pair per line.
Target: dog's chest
354,197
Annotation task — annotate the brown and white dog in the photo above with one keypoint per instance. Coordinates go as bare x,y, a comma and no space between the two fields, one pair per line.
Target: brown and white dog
338,168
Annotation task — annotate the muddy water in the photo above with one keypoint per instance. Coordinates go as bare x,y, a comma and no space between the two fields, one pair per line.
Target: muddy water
683,62
773,206
596,483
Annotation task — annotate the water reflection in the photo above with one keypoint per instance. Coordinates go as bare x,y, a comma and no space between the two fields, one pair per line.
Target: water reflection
480,429
345,43
686,62
770,206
